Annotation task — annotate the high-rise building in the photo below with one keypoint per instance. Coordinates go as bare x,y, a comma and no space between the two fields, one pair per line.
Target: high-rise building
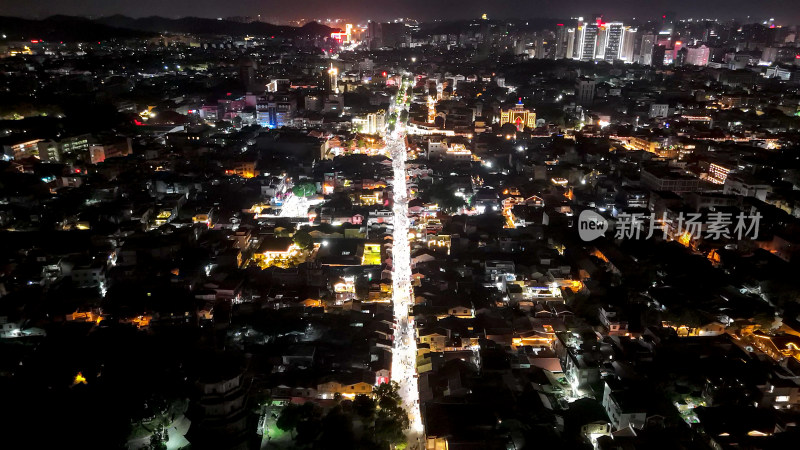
570,43
577,46
602,37
247,72
333,79
659,53
645,55
562,41
697,56
614,36
584,90
394,34
539,47
628,45
374,35
589,36
674,52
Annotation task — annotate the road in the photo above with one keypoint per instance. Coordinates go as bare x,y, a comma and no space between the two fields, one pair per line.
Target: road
404,352
294,206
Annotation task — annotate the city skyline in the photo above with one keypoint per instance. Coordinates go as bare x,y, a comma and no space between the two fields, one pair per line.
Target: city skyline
784,11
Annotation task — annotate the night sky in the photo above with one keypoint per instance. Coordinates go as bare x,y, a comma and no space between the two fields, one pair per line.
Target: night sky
784,11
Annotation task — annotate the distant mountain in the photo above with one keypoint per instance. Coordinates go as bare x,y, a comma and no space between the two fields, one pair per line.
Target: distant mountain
63,28
198,25
71,29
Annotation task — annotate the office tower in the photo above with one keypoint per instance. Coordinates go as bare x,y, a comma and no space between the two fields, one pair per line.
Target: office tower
570,43
659,53
628,45
602,37
562,41
589,41
584,90
645,55
614,36
577,47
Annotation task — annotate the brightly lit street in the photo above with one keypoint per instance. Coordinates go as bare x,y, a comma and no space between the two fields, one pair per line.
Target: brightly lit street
405,346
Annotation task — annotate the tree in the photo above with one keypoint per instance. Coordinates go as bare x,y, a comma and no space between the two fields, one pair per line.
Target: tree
304,190
388,394
339,200
445,197
336,427
289,418
364,406
303,239
309,425
391,419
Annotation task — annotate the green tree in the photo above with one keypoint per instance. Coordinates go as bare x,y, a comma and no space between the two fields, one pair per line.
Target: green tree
309,425
289,418
364,406
304,190
303,239
336,430
391,420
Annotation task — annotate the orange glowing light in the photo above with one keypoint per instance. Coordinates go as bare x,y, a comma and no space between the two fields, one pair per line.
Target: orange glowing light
79,379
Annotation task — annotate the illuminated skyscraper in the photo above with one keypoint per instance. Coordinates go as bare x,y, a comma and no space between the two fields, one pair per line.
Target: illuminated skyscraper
602,37
589,41
571,34
628,45
614,35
